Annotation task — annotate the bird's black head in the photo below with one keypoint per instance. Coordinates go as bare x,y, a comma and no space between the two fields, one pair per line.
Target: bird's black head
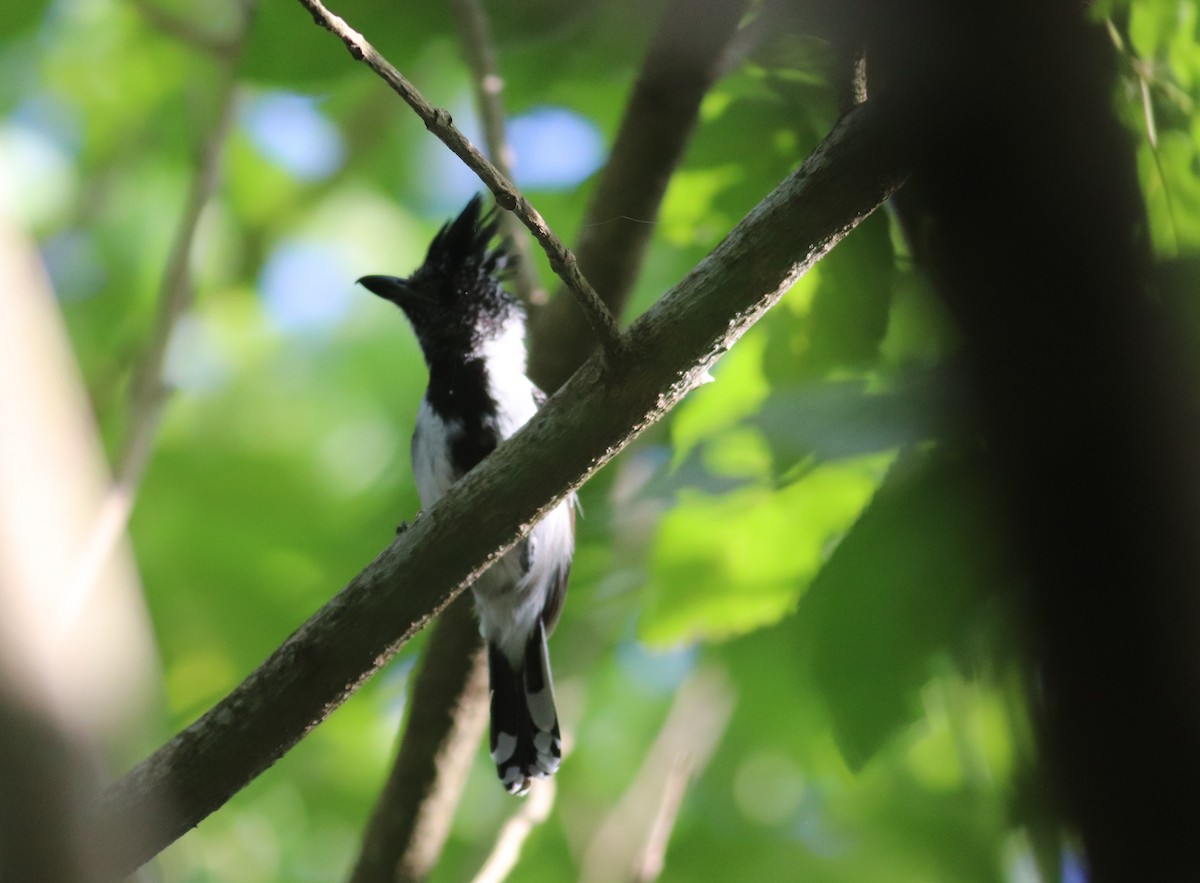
455,300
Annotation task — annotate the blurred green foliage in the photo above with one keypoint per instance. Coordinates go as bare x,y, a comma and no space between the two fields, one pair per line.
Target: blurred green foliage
811,524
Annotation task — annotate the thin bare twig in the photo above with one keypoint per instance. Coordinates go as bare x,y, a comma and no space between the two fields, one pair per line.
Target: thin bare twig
438,121
649,863
148,393
217,45
632,841
535,810
681,64
480,53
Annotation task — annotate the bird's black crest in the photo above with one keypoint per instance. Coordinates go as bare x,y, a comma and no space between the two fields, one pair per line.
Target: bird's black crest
461,247
456,299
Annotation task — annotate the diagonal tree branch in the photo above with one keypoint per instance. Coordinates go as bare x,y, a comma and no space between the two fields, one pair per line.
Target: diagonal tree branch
683,61
586,423
438,121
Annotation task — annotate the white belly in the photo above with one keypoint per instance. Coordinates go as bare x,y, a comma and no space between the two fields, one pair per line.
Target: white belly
508,600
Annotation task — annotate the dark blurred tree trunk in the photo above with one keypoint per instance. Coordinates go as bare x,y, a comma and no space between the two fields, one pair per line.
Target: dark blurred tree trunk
1024,204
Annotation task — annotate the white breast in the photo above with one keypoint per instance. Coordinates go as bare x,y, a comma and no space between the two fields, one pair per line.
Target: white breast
509,602
508,386
432,469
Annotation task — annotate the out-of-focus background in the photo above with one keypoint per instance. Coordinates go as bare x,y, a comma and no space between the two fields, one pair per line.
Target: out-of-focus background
787,604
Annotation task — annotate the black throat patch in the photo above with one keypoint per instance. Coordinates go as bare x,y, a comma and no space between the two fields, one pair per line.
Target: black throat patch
458,393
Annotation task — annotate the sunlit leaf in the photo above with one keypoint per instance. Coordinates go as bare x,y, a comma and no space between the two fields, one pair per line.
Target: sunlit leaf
725,565
898,590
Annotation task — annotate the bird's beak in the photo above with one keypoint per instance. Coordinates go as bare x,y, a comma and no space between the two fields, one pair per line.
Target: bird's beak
392,288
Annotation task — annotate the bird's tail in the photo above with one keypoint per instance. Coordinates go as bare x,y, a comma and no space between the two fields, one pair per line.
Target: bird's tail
525,740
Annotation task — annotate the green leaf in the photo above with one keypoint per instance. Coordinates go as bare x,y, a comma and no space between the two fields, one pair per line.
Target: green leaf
850,309
899,590
16,17
725,565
